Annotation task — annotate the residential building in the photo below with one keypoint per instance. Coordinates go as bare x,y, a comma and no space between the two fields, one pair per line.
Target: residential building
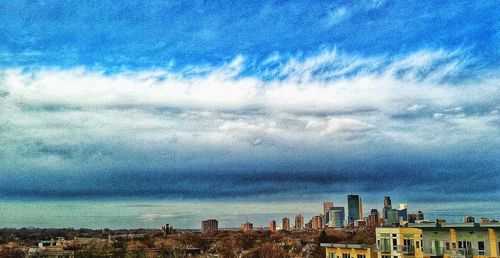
469,219
484,220
299,222
460,240
272,226
349,250
337,217
397,242
359,223
247,226
354,207
209,226
285,224
51,248
373,219
317,222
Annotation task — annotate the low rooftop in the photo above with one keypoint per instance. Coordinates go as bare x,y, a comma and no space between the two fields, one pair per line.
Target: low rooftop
347,246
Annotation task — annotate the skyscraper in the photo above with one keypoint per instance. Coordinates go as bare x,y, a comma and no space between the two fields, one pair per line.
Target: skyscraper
285,224
326,209
299,222
354,207
272,226
337,217
387,201
403,212
387,205
327,206
392,217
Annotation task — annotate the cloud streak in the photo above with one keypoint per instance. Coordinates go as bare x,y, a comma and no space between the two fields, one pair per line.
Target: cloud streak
328,116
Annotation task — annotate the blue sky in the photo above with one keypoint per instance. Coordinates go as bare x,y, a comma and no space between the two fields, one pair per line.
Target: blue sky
262,100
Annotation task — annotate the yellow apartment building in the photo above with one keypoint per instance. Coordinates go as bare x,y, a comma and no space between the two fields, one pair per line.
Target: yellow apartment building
399,242
460,240
349,251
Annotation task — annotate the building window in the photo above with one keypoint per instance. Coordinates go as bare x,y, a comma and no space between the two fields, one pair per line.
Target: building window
447,245
394,243
361,256
417,244
345,256
394,235
454,245
332,255
480,247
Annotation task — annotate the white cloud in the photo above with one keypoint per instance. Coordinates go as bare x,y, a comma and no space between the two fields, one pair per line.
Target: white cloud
339,125
59,118
337,15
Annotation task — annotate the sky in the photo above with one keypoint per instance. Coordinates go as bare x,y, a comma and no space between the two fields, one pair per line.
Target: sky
251,100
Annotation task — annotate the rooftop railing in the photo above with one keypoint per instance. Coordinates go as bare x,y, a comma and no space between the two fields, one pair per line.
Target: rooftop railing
384,248
461,253
437,251
406,249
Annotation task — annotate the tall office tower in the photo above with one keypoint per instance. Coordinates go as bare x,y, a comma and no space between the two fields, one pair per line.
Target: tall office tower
285,224
387,205
326,209
299,222
373,219
209,226
272,226
327,206
247,226
354,207
317,222
392,218
403,212
337,217
387,201
420,215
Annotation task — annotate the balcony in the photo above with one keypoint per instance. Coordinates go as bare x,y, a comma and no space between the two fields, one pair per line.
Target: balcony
437,251
406,249
461,253
384,248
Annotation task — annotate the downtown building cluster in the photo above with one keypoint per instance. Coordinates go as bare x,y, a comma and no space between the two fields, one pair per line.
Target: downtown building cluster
398,233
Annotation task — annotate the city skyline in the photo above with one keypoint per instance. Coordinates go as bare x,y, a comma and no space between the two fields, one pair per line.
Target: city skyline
104,106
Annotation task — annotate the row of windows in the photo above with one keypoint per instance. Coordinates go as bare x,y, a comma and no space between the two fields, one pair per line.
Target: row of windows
332,255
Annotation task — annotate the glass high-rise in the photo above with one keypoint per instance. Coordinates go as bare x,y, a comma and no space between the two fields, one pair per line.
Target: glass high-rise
337,217
354,207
